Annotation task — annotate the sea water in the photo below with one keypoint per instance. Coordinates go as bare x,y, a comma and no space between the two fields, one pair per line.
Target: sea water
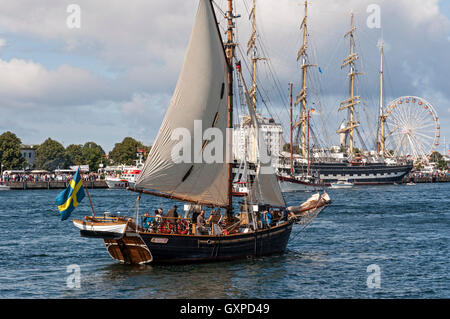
371,242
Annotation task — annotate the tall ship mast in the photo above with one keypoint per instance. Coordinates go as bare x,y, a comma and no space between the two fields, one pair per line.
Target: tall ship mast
381,145
181,170
367,170
292,181
251,48
302,96
350,103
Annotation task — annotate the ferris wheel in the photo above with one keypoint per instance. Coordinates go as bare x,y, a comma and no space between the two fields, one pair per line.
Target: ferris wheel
412,127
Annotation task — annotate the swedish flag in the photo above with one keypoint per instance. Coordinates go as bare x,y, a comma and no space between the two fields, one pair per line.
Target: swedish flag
69,199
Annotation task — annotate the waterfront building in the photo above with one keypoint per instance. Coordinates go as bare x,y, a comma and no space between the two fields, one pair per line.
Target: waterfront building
244,141
29,153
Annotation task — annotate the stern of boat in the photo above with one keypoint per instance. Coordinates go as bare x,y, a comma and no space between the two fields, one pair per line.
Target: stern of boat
130,249
122,241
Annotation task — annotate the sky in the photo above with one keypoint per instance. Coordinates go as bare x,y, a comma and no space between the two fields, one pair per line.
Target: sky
114,76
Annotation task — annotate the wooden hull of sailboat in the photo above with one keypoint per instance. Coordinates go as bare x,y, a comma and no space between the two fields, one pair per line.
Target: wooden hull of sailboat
143,247
130,249
93,229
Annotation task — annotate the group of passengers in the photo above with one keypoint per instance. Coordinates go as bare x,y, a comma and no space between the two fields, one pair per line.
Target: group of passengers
213,225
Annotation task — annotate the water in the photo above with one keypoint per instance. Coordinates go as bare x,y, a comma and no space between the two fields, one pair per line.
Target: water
404,230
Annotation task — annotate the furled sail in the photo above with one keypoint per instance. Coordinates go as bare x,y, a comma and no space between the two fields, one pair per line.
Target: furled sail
178,164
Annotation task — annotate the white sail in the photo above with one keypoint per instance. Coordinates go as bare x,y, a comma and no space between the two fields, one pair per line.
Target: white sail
265,188
200,95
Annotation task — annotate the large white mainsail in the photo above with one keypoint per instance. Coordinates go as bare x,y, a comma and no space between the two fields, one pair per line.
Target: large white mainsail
200,95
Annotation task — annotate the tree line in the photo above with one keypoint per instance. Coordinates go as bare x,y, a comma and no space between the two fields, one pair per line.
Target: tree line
51,154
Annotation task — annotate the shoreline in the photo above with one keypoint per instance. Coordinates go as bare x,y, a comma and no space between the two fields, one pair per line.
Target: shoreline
102,184
51,185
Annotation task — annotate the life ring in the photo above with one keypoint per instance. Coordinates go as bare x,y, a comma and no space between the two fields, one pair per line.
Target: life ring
182,227
165,228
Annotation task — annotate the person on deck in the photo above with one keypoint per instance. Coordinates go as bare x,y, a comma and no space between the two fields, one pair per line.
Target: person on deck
195,214
158,215
201,224
213,221
147,220
269,218
213,218
172,216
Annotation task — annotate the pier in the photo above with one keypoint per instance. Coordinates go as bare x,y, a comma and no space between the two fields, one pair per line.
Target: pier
427,179
52,184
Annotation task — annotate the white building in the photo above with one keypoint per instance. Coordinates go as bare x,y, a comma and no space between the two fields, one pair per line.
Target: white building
29,153
243,138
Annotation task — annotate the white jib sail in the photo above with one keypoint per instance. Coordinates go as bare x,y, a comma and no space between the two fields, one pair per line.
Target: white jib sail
265,188
179,162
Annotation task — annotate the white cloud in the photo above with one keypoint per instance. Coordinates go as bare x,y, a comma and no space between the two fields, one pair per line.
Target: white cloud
144,43
29,84
2,43
137,105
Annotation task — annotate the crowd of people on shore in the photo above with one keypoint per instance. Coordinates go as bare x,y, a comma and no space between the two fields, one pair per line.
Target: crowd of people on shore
48,177
424,175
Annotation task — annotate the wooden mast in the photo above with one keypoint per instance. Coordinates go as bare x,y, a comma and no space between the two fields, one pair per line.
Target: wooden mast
382,116
229,50
352,100
308,150
291,129
251,45
301,97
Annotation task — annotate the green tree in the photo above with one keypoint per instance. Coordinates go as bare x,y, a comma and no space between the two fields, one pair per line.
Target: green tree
435,157
442,165
92,155
74,153
51,155
418,166
125,152
10,156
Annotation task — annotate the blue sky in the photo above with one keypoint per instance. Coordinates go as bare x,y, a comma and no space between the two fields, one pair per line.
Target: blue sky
114,76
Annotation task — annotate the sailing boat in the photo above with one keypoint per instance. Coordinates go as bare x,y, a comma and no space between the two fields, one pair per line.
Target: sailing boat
289,180
203,92
364,168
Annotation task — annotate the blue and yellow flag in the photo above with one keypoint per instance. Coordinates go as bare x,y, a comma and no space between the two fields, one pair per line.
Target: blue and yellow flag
69,199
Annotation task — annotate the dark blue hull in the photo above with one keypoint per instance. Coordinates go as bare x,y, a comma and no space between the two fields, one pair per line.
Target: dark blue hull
368,174
182,249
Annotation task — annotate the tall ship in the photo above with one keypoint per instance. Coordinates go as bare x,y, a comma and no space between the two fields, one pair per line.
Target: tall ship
310,168
258,225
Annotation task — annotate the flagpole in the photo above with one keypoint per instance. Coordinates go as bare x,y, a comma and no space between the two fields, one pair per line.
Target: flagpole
87,192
